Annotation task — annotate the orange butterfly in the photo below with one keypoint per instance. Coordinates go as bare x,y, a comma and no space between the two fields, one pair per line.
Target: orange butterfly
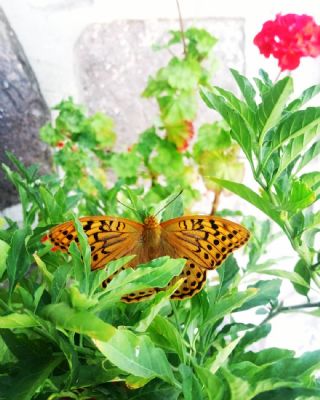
204,241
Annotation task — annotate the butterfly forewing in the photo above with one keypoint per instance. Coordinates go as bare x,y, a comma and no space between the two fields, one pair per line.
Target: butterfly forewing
204,239
109,237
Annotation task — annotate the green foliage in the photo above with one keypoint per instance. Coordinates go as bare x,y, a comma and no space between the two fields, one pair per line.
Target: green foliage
63,335
279,144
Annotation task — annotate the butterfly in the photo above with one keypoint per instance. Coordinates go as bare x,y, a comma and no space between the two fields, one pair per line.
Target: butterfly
204,241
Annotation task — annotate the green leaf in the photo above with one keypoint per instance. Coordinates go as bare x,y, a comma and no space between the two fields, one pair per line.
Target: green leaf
18,260
250,196
16,320
82,322
222,356
291,276
301,268
268,291
183,74
246,88
157,273
227,273
292,150
273,102
239,127
136,355
291,127
309,155
4,251
227,304
253,336
306,95
58,284
191,387
29,378
161,299
300,196
165,334
179,108
216,388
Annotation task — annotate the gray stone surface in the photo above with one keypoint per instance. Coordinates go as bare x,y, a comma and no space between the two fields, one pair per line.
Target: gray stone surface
22,109
113,62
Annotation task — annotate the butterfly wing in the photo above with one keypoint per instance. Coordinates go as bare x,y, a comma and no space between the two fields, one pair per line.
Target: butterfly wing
205,242
109,237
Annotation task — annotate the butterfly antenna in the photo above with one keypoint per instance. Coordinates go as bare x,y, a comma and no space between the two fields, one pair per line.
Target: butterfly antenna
171,201
125,205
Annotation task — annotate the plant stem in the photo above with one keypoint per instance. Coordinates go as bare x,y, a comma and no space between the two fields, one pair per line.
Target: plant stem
182,29
277,311
215,202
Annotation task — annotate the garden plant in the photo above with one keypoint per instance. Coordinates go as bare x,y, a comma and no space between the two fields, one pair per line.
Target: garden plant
63,335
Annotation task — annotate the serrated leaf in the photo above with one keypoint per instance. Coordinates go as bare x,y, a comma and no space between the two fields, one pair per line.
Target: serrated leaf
273,102
291,127
309,155
239,128
246,88
305,96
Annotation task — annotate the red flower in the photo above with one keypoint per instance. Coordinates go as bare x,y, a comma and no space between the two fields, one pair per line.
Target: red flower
60,144
288,38
189,130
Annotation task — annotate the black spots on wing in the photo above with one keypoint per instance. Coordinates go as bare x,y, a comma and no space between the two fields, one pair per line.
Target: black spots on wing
223,238
92,248
212,263
230,245
70,236
188,272
192,265
105,251
95,257
65,232
209,247
183,225
76,239
206,236
230,235
87,225
198,275
223,249
216,242
218,255
96,237
214,225
234,232
185,289
206,256
216,234
193,283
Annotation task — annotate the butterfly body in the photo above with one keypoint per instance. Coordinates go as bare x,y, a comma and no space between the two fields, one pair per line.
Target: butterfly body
204,241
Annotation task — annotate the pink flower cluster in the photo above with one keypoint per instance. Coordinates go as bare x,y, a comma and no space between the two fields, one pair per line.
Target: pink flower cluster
288,38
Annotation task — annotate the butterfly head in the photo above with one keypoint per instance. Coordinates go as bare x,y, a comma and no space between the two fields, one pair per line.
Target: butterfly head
151,222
